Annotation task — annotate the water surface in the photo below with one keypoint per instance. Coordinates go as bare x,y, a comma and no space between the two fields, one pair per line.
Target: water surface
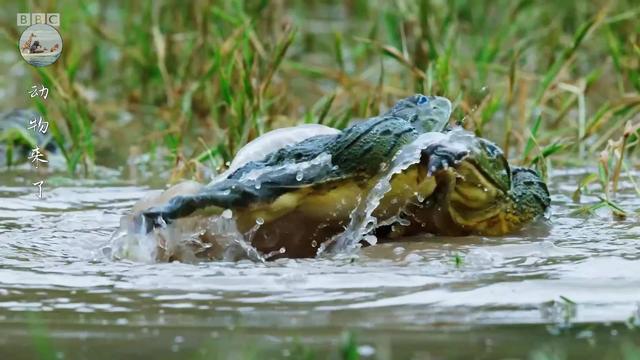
566,288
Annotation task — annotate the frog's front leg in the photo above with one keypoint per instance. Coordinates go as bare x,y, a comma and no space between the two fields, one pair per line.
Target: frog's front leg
440,156
411,205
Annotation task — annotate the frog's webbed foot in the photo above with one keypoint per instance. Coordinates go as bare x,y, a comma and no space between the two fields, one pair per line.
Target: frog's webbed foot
440,156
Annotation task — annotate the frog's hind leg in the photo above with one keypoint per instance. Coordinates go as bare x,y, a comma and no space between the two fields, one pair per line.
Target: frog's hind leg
228,194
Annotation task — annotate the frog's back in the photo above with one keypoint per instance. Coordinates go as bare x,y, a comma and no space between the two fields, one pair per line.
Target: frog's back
361,148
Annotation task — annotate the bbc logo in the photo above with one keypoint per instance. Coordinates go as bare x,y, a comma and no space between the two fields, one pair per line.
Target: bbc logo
28,19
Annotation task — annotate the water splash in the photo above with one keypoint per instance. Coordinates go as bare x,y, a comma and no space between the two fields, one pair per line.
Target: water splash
362,221
130,242
188,240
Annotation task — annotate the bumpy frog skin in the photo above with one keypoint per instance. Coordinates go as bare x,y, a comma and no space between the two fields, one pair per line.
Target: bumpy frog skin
303,194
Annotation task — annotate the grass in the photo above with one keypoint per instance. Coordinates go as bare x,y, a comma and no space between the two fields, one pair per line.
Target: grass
555,84
458,260
40,336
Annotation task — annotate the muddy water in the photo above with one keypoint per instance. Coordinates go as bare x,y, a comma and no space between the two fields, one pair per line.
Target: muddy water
569,288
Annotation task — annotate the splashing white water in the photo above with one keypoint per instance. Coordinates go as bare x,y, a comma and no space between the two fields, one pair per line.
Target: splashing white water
129,242
362,221
188,240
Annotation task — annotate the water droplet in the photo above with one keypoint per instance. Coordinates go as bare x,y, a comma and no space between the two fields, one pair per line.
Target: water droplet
371,239
259,221
227,214
258,185
299,176
314,243
366,350
283,250
227,164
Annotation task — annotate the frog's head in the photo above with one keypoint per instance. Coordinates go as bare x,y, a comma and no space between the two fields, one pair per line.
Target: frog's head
426,113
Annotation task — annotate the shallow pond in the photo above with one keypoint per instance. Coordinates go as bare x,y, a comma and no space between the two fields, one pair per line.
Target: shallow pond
569,288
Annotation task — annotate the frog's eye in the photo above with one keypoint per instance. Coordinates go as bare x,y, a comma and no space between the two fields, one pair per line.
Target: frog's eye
422,100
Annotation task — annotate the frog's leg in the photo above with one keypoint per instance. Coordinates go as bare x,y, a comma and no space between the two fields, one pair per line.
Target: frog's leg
237,194
232,193
439,156
410,205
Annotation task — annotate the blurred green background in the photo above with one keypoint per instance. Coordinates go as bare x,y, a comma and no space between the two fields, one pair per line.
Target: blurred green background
183,83
161,90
